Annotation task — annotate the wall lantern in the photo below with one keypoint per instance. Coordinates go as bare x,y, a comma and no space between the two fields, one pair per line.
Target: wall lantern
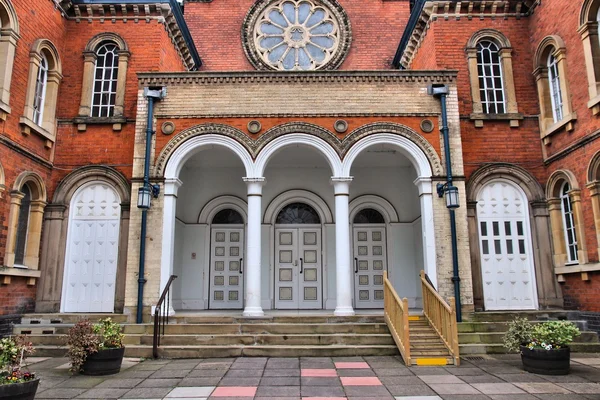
451,193
145,194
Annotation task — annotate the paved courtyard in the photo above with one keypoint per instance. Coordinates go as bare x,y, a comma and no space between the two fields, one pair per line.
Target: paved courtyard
489,377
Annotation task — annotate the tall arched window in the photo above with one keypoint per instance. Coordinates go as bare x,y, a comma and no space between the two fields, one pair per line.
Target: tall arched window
555,91
40,91
569,224
589,21
489,69
23,226
9,35
105,80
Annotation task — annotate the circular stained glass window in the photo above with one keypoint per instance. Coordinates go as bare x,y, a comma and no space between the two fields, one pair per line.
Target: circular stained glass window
296,35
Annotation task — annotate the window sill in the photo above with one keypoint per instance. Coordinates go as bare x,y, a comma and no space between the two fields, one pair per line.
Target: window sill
6,273
4,111
594,105
28,126
566,123
117,122
582,269
514,118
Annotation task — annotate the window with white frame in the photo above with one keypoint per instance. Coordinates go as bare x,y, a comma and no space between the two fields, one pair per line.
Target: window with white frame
23,226
569,224
555,91
40,91
105,80
489,69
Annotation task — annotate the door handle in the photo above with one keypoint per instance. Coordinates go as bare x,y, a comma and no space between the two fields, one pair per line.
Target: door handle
356,265
301,265
241,266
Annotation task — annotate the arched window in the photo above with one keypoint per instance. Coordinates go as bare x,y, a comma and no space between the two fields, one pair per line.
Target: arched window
489,54
569,224
105,80
23,226
589,20
9,35
298,213
40,91
228,216
555,91
489,69
368,216
106,58
556,111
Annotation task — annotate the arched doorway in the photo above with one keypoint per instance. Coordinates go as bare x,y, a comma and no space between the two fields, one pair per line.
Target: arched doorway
507,266
370,258
92,249
226,260
298,261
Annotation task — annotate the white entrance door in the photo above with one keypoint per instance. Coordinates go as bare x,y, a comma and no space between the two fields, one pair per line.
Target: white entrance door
227,268
506,250
369,264
298,268
92,250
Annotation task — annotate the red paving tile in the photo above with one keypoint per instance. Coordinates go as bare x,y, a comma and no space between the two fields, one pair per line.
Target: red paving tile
319,372
324,398
360,381
352,365
234,391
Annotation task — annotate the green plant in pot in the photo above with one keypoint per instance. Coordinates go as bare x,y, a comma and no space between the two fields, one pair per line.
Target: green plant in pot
544,346
15,382
96,349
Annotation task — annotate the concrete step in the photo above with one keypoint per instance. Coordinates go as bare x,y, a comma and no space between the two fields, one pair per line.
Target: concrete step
501,326
67,318
483,348
496,337
276,340
505,316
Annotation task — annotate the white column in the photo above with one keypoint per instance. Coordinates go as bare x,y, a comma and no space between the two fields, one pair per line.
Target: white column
171,187
252,268
427,226
343,268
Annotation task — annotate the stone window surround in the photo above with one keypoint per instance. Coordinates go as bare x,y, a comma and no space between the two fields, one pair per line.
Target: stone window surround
512,111
9,35
89,66
30,267
588,29
556,46
559,246
594,186
47,129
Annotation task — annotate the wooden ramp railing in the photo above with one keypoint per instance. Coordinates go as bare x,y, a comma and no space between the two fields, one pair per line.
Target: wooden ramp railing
396,317
441,316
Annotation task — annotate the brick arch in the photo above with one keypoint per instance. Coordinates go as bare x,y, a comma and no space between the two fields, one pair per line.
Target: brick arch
489,34
35,183
48,48
543,50
8,17
94,42
589,11
557,179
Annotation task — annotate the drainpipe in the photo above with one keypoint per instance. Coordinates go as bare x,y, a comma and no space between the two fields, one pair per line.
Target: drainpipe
152,96
441,92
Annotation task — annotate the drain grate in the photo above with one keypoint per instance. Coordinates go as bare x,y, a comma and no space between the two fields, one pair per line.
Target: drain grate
474,358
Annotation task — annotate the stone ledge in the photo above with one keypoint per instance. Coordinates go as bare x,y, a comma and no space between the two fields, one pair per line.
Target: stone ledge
7,272
514,118
117,122
28,126
566,123
583,269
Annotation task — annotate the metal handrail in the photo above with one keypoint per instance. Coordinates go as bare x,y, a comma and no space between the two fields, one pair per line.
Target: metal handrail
161,316
396,317
441,317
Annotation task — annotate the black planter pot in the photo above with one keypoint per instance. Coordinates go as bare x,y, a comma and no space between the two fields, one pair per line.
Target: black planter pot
104,362
546,362
19,391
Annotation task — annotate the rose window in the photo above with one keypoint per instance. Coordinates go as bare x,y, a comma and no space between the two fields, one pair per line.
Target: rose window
296,35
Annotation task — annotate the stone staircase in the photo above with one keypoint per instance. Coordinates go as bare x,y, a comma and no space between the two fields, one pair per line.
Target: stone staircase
214,336
483,331
426,347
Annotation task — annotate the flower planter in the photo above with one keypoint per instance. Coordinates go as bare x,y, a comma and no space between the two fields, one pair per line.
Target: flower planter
104,362
19,391
546,362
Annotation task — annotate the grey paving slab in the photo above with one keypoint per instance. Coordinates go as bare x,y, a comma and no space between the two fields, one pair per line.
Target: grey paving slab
184,392
541,387
512,397
465,397
281,372
244,373
400,380
82,382
180,365
146,393
485,378
356,372
434,379
587,388
320,381
103,394
571,378
59,393
202,381
120,383
275,398
464,371
240,381
410,390
403,371
170,373
376,391
278,391
280,381
208,372
454,388
418,398
520,377
570,396
157,383
322,391
136,373
429,371
279,363
497,388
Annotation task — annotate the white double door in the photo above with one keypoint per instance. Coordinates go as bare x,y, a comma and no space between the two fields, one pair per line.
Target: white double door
369,264
227,268
298,268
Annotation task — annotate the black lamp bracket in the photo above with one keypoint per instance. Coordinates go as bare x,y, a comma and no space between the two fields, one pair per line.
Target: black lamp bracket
441,189
155,190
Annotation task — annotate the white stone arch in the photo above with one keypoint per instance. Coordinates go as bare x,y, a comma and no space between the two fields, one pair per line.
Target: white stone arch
220,203
407,147
375,202
298,196
192,146
302,139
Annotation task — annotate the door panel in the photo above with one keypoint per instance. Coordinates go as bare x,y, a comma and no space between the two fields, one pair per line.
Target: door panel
298,271
369,264
227,268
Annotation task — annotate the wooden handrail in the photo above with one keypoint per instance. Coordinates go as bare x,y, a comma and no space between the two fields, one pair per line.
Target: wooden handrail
396,317
441,317
161,315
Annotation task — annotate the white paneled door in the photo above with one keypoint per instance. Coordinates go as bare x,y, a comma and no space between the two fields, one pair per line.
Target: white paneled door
92,250
506,251
369,264
227,268
298,271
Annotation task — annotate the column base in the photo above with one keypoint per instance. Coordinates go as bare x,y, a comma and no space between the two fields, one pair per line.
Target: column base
344,312
253,312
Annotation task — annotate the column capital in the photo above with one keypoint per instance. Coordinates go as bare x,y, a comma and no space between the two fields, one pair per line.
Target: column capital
255,185
424,185
172,185
341,184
